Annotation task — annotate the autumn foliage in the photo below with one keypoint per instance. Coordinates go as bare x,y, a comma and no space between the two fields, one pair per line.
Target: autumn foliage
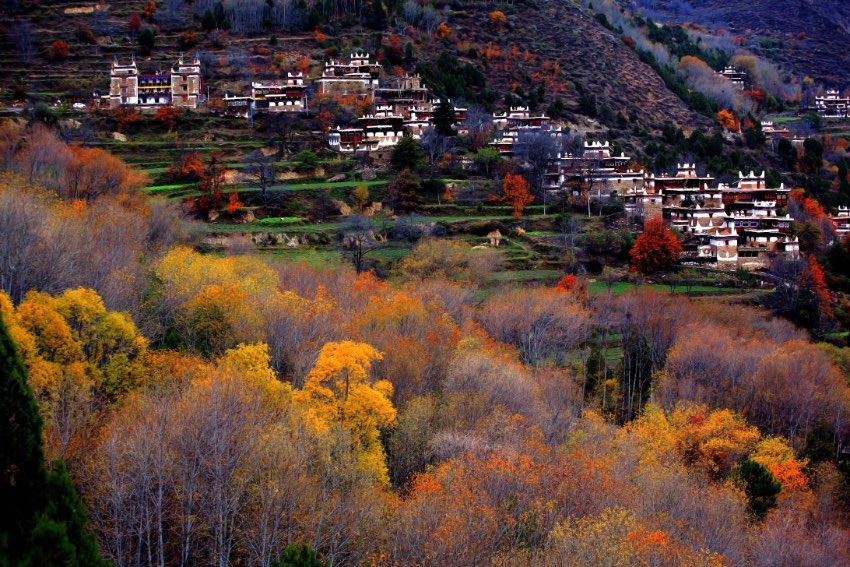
217,407
572,285
411,423
810,206
125,118
516,193
728,121
189,167
167,116
656,248
497,18
58,50
134,26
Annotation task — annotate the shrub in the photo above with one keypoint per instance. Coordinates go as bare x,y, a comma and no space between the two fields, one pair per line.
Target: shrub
147,40
187,39
84,34
58,51
134,26
497,18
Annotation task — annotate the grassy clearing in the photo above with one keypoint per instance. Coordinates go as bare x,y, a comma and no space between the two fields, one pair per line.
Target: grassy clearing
600,288
525,276
321,185
313,257
249,228
166,188
389,254
279,221
788,119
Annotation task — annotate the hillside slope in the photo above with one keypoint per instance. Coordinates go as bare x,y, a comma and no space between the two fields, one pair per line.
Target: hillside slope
773,29
588,54
590,57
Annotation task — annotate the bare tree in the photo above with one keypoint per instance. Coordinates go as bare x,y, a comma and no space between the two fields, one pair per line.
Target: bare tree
172,15
245,16
102,24
283,125
569,228
358,237
21,227
430,19
436,146
536,149
259,168
286,14
25,38
541,324
572,143
478,125
590,177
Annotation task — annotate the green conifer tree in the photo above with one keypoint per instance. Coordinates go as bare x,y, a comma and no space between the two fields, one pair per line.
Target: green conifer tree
44,522
299,556
760,486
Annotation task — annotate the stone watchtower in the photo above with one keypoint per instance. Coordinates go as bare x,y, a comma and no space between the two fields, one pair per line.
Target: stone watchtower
123,83
187,82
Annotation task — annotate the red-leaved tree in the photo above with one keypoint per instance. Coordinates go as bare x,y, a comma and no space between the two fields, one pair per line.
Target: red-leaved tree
656,249
167,116
516,193
59,50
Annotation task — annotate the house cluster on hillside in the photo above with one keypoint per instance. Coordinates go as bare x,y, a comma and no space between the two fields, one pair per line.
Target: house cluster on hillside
596,170
730,226
182,86
285,95
833,105
511,124
357,75
399,106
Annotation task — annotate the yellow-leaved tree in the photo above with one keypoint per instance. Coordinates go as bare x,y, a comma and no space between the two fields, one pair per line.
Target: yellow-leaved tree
75,329
251,364
338,393
213,304
78,355
715,440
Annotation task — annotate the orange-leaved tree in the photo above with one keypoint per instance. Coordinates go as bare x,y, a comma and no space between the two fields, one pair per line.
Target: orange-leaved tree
338,392
497,18
210,186
233,202
657,248
728,121
189,168
812,281
516,193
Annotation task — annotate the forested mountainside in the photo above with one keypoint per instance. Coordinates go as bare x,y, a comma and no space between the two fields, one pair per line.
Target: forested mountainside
806,36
